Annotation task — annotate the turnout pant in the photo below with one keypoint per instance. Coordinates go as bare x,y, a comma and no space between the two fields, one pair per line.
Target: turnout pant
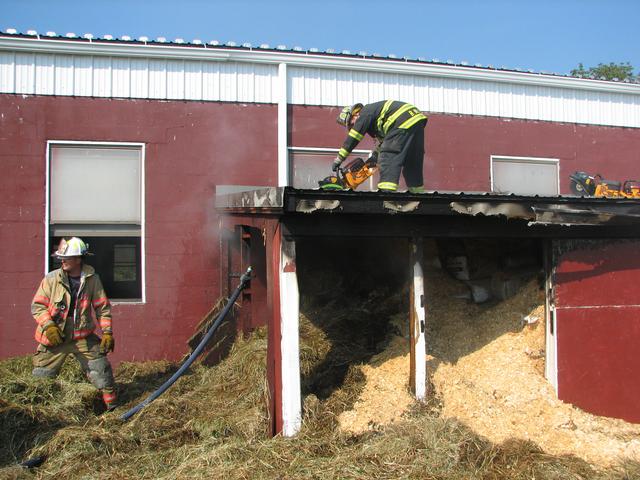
47,362
402,151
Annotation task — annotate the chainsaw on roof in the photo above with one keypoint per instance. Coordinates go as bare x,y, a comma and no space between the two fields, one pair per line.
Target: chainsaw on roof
585,185
350,176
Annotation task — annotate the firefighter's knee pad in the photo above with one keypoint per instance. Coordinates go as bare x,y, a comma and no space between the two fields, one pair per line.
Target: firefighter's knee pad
100,373
44,372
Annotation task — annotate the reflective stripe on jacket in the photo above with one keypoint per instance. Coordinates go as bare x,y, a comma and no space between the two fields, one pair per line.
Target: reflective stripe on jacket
378,120
51,304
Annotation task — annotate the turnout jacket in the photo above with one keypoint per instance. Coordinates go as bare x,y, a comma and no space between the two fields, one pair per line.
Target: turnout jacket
378,120
51,304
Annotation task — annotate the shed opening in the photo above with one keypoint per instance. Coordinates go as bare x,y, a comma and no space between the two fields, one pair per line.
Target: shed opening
355,301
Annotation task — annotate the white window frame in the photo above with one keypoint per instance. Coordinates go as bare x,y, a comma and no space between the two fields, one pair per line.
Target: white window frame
543,160
95,144
323,150
320,150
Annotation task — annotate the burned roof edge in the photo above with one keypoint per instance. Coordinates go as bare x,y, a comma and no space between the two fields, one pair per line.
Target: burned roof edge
558,210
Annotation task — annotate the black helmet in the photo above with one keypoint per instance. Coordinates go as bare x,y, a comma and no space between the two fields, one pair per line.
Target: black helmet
347,112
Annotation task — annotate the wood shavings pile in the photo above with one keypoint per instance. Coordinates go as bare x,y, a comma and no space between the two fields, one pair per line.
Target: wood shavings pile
386,395
498,388
486,363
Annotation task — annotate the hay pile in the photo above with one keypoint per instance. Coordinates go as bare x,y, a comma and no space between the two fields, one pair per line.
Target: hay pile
212,423
201,410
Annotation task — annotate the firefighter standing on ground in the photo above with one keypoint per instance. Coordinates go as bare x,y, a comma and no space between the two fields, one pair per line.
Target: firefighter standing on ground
399,129
62,308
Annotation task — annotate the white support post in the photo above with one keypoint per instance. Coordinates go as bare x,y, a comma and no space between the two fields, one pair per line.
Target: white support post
418,350
283,152
551,324
290,348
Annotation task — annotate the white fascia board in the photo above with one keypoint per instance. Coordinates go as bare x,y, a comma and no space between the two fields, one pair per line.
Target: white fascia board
312,60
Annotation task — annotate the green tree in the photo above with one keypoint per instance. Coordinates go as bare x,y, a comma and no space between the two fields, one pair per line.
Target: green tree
607,71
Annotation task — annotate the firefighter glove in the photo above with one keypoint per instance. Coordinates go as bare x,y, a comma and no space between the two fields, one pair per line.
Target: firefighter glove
107,343
336,164
52,332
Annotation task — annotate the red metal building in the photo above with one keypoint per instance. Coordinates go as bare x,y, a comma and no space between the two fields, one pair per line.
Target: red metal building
144,133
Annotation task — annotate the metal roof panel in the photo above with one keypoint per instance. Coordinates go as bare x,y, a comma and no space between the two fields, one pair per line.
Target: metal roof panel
11,32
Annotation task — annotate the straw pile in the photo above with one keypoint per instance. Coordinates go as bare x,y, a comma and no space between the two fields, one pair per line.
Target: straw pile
203,408
212,423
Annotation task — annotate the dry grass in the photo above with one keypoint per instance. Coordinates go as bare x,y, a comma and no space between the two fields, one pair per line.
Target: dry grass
204,408
212,423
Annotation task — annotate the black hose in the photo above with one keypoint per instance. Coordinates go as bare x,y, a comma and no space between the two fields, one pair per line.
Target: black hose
33,462
243,282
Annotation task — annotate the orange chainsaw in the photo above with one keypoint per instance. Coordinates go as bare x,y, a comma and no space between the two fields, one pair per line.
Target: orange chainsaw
585,185
349,177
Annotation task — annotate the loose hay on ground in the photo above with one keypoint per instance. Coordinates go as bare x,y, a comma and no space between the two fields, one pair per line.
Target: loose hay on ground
213,422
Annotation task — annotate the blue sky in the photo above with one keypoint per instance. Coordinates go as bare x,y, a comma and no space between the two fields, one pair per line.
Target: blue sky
543,35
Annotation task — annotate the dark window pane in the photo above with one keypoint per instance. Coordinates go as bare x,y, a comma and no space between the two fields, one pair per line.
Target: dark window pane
124,263
117,261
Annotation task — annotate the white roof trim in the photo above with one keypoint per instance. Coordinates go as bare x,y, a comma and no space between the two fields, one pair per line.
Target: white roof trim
42,45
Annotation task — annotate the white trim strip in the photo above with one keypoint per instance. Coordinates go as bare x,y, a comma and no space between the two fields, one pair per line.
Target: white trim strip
95,143
323,150
143,211
587,307
47,206
283,157
554,374
525,159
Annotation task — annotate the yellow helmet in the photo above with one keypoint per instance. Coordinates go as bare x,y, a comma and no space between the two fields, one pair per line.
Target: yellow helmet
74,247
347,112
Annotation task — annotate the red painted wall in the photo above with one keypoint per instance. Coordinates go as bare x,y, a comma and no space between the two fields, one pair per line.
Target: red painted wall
598,326
190,148
458,148
194,146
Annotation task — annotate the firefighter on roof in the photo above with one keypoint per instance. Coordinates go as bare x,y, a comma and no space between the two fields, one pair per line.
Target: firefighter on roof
398,128
62,308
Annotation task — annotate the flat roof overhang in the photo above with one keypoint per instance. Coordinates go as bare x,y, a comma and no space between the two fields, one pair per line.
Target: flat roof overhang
436,214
